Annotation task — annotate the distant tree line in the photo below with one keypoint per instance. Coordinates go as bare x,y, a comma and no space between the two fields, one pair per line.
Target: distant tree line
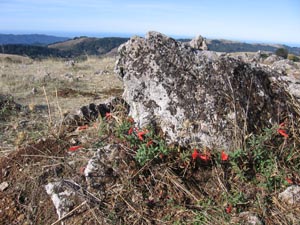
32,51
100,46
92,46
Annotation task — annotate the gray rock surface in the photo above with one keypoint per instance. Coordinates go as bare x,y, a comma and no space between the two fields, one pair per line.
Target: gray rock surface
272,58
198,43
247,218
99,171
3,186
60,198
198,97
291,195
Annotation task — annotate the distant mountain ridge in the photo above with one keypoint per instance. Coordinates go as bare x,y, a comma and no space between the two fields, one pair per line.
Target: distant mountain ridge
30,39
78,46
232,46
89,46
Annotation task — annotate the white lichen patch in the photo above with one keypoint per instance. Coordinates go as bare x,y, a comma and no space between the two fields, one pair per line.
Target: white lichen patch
60,198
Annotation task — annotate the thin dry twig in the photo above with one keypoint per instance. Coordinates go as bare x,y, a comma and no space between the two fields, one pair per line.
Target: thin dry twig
44,156
69,213
49,110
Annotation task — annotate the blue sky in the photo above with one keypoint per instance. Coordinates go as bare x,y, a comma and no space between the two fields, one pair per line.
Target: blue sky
276,21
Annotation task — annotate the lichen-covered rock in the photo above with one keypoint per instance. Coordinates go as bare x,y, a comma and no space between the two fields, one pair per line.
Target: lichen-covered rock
60,198
198,97
291,195
99,171
284,65
247,218
272,59
198,43
293,85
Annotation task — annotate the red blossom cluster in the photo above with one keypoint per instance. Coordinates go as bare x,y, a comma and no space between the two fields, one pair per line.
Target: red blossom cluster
282,131
203,156
139,133
228,209
206,156
289,181
224,156
74,148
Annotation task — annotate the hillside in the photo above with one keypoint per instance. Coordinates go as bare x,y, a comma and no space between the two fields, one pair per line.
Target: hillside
90,46
70,48
33,51
30,39
69,44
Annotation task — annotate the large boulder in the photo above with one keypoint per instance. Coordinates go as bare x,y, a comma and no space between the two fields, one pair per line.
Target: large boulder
198,97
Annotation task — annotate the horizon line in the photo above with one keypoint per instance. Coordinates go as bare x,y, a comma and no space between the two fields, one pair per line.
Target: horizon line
73,34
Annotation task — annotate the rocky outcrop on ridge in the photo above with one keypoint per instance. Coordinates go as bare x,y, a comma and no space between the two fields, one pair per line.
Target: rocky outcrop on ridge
198,43
198,97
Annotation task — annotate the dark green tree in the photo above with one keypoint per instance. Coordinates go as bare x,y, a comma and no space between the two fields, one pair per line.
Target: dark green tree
282,52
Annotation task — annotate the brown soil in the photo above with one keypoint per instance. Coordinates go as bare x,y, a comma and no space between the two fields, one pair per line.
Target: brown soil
25,201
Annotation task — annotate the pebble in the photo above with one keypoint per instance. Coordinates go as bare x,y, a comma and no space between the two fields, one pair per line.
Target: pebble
3,186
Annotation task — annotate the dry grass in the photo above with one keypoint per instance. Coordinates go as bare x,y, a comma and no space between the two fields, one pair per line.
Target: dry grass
19,79
58,84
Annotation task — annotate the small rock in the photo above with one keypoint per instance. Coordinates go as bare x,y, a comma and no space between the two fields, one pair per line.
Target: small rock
60,198
291,195
250,218
246,218
3,186
198,43
34,91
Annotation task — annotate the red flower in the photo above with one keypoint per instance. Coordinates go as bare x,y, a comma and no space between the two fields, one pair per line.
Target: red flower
195,154
283,133
74,148
205,157
289,181
149,143
228,209
108,115
224,156
141,134
130,131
